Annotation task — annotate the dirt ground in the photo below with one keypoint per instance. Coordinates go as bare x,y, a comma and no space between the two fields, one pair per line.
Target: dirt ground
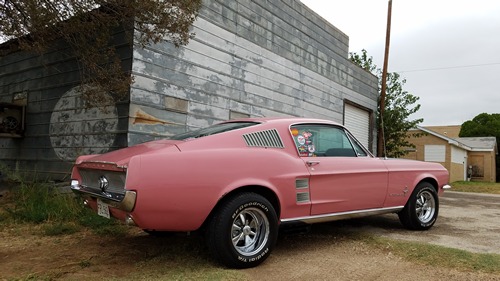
466,221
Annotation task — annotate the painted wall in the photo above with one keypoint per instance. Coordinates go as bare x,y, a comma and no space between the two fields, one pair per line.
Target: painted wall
248,58
58,127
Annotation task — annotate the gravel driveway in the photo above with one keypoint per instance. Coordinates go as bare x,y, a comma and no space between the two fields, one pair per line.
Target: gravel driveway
468,221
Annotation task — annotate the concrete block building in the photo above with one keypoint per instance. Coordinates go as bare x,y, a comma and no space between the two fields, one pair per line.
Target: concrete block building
247,59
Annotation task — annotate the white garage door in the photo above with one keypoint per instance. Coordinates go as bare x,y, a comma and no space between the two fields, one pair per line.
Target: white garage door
357,122
434,153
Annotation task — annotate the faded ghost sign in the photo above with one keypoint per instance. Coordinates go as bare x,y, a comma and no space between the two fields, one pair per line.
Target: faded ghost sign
76,130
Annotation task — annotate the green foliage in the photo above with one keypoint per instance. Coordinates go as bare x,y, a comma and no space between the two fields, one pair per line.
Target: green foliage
39,202
100,225
59,213
483,125
364,61
399,105
476,187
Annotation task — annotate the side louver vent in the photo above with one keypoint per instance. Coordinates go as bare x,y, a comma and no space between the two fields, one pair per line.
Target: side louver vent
268,138
303,197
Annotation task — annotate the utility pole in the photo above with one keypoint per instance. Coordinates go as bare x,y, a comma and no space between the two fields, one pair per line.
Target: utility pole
380,137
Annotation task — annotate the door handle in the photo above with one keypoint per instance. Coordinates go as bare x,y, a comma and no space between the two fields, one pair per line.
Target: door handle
312,163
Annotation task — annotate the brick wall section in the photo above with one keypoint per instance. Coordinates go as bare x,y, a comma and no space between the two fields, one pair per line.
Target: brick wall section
451,131
419,153
254,58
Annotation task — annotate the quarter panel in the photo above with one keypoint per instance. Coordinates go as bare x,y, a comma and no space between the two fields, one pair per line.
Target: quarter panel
177,191
404,175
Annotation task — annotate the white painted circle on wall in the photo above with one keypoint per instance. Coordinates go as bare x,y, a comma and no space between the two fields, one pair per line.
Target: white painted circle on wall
75,130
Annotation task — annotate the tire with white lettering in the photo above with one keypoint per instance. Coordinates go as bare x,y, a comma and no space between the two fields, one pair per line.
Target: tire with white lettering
242,232
421,210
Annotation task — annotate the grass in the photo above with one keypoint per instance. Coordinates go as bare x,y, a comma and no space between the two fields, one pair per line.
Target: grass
60,213
39,202
439,256
475,186
183,259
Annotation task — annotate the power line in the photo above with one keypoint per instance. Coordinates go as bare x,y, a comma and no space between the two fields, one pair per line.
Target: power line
449,67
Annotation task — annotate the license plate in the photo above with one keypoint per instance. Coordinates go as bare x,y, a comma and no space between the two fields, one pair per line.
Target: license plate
102,209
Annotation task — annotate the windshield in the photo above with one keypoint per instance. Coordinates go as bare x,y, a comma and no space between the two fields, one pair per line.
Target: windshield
212,130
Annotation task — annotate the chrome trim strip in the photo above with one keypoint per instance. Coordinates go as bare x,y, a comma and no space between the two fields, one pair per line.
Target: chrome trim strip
125,202
343,215
446,187
100,162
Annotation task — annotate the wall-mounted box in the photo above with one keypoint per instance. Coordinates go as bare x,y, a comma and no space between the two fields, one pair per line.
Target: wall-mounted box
11,120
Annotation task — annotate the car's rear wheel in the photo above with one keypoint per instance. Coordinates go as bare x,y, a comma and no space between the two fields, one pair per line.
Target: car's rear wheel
421,210
242,231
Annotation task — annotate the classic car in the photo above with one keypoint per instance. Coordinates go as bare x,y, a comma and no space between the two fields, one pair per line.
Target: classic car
240,181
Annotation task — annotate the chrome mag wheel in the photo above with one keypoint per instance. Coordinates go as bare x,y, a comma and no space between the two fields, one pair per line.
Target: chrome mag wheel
425,206
250,231
242,231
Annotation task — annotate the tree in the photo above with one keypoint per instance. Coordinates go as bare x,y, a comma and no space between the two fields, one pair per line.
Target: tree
483,125
399,105
87,26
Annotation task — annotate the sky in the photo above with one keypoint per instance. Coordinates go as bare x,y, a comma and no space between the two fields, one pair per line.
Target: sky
447,50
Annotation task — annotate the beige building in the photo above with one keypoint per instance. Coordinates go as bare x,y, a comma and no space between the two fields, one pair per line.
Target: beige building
471,158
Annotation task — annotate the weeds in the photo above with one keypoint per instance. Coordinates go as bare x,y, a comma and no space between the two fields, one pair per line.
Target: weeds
41,203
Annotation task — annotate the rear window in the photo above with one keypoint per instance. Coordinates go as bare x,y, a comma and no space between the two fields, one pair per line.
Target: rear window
212,130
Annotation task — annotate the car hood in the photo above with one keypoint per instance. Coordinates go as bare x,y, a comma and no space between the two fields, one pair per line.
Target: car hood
120,158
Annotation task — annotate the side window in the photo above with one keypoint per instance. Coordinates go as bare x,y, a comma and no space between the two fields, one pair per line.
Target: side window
360,151
316,140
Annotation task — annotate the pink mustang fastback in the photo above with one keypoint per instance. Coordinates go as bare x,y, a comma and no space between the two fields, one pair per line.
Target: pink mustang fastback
240,180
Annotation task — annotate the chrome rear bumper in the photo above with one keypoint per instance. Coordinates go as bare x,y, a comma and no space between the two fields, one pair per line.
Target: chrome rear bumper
122,201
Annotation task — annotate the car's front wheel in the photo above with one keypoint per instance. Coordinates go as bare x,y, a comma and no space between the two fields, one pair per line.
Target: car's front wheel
242,231
421,210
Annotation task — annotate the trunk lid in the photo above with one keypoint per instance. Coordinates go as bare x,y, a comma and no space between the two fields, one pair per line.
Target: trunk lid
121,157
